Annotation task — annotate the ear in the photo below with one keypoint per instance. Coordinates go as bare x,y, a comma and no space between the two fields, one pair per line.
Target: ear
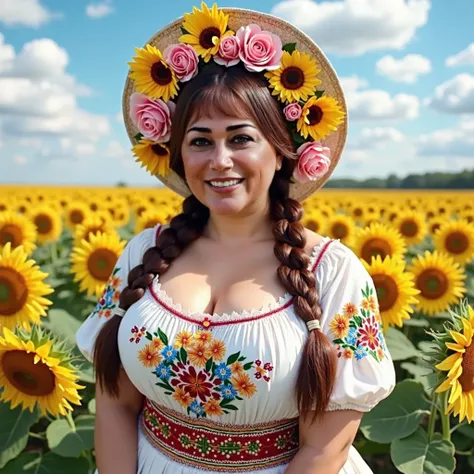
279,162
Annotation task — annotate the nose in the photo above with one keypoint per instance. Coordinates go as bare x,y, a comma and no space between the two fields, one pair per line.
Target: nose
221,158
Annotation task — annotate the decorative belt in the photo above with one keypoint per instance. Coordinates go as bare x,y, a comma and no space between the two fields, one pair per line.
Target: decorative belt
213,446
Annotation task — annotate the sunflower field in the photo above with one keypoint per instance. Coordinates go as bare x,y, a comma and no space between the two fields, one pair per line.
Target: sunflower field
58,247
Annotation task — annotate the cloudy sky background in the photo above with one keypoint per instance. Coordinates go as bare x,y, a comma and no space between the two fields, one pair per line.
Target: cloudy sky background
407,68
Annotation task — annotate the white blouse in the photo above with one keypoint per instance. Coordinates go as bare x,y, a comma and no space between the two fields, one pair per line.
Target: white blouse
239,369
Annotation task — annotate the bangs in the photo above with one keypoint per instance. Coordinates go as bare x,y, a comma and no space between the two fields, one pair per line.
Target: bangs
220,100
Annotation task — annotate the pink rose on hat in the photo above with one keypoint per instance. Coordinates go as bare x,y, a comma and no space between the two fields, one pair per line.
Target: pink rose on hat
152,117
293,112
183,60
313,162
259,50
229,49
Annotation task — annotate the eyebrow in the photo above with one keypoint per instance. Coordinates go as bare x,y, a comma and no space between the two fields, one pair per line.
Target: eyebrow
230,128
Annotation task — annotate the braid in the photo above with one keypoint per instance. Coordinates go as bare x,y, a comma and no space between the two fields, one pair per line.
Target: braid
184,229
317,371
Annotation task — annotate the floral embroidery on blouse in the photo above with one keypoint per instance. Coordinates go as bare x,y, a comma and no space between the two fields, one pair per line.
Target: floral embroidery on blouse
195,371
358,330
110,297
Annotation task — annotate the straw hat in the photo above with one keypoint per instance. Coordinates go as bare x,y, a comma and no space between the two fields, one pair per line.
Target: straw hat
288,33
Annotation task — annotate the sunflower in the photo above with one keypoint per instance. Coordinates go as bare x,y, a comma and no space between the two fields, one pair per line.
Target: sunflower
395,289
91,226
22,289
434,223
155,157
459,363
314,220
36,370
378,239
296,79
358,211
150,219
205,29
456,238
152,76
48,223
93,261
342,227
17,230
412,226
76,213
440,281
320,116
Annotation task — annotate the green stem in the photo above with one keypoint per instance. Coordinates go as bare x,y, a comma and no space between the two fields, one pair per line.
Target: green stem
36,435
432,420
445,418
54,252
71,421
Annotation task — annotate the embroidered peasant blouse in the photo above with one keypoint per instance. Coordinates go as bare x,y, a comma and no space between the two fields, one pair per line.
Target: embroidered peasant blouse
240,368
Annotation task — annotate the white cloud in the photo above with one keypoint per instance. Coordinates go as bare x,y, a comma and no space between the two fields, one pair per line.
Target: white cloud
28,13
450,142
38,98
379,137
354,27
116,150
99,10
463,58
407,69
20,160
455,96
119,117
375,104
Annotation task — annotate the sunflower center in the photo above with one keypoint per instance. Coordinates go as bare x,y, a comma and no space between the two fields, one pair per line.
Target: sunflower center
92,231
387,291
432,283
409,228
26,376
340,230
13,291
11,233
161,74
374,247
456,242
435,227
101,263
312,225
159,150
205,38
76,216
357,212
43,224
292,78
315,115
466,379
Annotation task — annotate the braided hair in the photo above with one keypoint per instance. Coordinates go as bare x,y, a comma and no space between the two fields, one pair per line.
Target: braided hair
221,89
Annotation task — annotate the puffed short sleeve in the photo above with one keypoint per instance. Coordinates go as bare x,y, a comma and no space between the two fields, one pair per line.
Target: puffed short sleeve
130,257
351,320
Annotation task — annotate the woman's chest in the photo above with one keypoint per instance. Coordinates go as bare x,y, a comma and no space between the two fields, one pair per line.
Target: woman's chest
239,372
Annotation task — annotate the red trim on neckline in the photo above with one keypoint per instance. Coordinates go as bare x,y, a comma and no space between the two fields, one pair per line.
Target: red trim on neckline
223,323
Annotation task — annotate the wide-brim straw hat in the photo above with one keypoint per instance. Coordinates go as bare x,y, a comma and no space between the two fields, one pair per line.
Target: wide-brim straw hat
288,33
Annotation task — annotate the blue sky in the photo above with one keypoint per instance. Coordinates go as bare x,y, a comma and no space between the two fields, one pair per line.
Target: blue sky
407,68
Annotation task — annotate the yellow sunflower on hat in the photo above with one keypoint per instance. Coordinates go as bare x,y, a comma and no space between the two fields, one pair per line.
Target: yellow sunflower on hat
296,79
36,370
17,230
320,116
152,75
204,30
440,281
456,238
154,157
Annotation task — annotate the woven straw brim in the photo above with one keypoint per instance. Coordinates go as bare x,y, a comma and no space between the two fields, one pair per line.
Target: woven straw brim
289,34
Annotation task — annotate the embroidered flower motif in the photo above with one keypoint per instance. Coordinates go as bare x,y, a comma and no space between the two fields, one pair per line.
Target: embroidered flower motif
149,356
110,296
217,349
199,354
182,397
137,334
183,339
358,331
213,407
223,372
163,371
169,353
244,385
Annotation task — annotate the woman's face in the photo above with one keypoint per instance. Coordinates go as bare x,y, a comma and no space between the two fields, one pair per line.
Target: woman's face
216,152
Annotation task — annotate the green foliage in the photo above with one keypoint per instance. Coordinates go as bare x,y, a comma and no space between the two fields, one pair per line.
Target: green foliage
68,441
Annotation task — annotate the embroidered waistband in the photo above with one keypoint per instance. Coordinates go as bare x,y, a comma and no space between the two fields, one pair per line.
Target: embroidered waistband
219,447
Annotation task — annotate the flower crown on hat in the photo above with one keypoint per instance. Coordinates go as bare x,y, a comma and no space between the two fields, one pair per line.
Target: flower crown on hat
292,77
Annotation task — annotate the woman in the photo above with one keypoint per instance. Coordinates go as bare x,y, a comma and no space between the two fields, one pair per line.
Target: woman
242,342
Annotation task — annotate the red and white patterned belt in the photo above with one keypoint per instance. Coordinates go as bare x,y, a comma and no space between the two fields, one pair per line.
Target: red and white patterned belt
219,447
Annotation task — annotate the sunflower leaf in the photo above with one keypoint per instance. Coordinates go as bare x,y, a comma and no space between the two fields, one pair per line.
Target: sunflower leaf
138,137
399,346
289,47
49,463
184,31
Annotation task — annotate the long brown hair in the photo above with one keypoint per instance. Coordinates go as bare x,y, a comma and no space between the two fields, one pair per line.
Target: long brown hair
235,92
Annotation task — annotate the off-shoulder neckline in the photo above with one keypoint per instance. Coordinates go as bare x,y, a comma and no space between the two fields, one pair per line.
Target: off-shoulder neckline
160,296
